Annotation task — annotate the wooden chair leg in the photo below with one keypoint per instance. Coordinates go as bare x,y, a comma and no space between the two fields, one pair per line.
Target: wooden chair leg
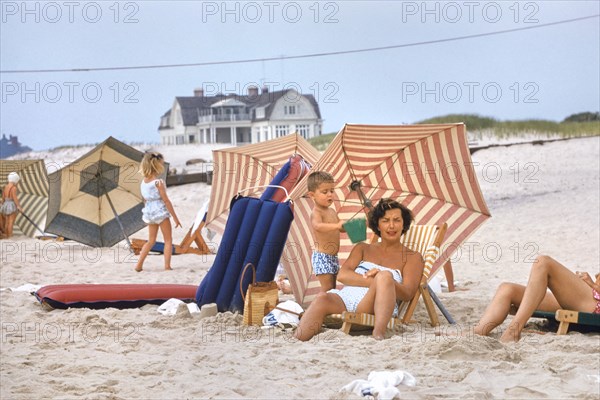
346,327
410,309
429,306
563,328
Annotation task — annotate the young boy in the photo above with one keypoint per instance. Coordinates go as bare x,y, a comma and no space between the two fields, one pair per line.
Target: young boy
326,228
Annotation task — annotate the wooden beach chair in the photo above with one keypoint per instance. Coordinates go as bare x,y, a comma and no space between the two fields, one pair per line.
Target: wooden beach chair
590,321
426,239
194,235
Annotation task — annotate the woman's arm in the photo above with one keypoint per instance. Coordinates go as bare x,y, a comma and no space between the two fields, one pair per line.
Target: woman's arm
347,275
411,276
163,195
588,279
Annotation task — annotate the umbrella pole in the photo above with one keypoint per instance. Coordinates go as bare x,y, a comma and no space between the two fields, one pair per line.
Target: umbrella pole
33,223
116,215
355,185
438,303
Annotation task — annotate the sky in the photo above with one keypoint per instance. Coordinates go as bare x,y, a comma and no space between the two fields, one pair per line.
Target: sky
548,72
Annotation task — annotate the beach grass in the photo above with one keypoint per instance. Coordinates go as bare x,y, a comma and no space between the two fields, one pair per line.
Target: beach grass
479,127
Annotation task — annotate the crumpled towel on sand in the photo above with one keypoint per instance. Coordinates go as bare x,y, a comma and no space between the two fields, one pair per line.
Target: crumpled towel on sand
170,307
380,384
27,287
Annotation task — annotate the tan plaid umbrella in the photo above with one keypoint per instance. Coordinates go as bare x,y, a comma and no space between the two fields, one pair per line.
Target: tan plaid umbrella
33,193
96,200
426,167
250,166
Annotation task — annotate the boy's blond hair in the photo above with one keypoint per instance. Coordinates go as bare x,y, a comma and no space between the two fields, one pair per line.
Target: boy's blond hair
316,178
152,164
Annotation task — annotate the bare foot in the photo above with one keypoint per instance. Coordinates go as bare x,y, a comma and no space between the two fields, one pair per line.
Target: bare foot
511,334
168,269
138,269
378,335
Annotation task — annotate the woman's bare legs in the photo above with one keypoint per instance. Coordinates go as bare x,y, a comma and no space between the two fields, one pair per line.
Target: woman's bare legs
507,298
152,232
311,321
9,224
165,229
380,300
568,291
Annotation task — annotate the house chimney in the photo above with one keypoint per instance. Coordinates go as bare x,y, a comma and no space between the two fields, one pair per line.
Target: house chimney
252,91
198,92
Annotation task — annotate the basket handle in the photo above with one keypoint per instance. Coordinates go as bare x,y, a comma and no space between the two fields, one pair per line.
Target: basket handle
242,279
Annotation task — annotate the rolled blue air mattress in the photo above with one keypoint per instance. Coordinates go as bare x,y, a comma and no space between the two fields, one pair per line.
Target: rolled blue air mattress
256,233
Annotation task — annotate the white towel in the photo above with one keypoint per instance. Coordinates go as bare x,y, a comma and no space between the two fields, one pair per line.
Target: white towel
170,306
380,384
28,287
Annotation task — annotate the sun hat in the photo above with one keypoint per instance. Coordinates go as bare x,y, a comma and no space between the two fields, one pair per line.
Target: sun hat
13,177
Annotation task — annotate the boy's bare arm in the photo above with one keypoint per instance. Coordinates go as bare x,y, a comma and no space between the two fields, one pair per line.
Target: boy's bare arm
320,226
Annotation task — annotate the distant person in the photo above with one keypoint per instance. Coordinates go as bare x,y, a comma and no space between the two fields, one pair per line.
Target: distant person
10,204
375,276
326,227
568,290
158,208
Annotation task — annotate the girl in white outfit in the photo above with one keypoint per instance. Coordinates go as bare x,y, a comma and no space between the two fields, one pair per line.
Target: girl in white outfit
158,208
10,204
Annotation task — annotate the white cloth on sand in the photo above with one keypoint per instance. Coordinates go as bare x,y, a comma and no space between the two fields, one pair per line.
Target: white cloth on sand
170,307
27,287
280,314
380,384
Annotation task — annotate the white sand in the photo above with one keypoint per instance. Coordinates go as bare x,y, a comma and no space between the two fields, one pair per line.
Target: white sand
551,207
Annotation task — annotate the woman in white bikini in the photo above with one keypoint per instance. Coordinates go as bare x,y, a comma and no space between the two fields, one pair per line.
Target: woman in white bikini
375,276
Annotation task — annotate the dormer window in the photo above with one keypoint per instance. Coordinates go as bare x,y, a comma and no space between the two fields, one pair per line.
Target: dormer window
289,110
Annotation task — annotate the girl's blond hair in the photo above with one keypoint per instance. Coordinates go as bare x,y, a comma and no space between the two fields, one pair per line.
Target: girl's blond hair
152,164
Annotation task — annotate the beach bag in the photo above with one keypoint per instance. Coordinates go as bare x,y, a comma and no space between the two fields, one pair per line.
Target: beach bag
260,298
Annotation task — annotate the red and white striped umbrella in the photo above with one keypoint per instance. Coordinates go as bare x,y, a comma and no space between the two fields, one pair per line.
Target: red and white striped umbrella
250,166
428,168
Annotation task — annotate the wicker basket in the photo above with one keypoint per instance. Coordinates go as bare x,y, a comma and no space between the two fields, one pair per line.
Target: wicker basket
260,298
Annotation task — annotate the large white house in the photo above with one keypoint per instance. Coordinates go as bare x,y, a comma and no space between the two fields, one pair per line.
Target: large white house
240,119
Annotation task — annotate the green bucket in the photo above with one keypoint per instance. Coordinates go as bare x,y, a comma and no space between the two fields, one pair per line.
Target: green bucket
356,229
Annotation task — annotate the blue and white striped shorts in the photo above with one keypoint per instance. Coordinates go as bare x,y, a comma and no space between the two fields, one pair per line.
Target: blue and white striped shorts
324,263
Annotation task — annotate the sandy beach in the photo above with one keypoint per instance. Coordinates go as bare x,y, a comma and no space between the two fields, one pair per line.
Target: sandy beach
544,199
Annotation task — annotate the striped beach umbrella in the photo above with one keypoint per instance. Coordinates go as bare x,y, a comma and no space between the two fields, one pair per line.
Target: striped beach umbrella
249,168
428,168
32,193
96,200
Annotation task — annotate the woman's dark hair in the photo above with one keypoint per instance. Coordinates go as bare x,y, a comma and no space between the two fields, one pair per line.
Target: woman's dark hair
379,211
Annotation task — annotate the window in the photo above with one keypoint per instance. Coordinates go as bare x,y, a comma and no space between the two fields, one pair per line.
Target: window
289,110
303,130
281,130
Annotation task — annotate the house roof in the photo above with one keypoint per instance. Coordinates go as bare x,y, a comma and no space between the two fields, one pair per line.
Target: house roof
192,106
